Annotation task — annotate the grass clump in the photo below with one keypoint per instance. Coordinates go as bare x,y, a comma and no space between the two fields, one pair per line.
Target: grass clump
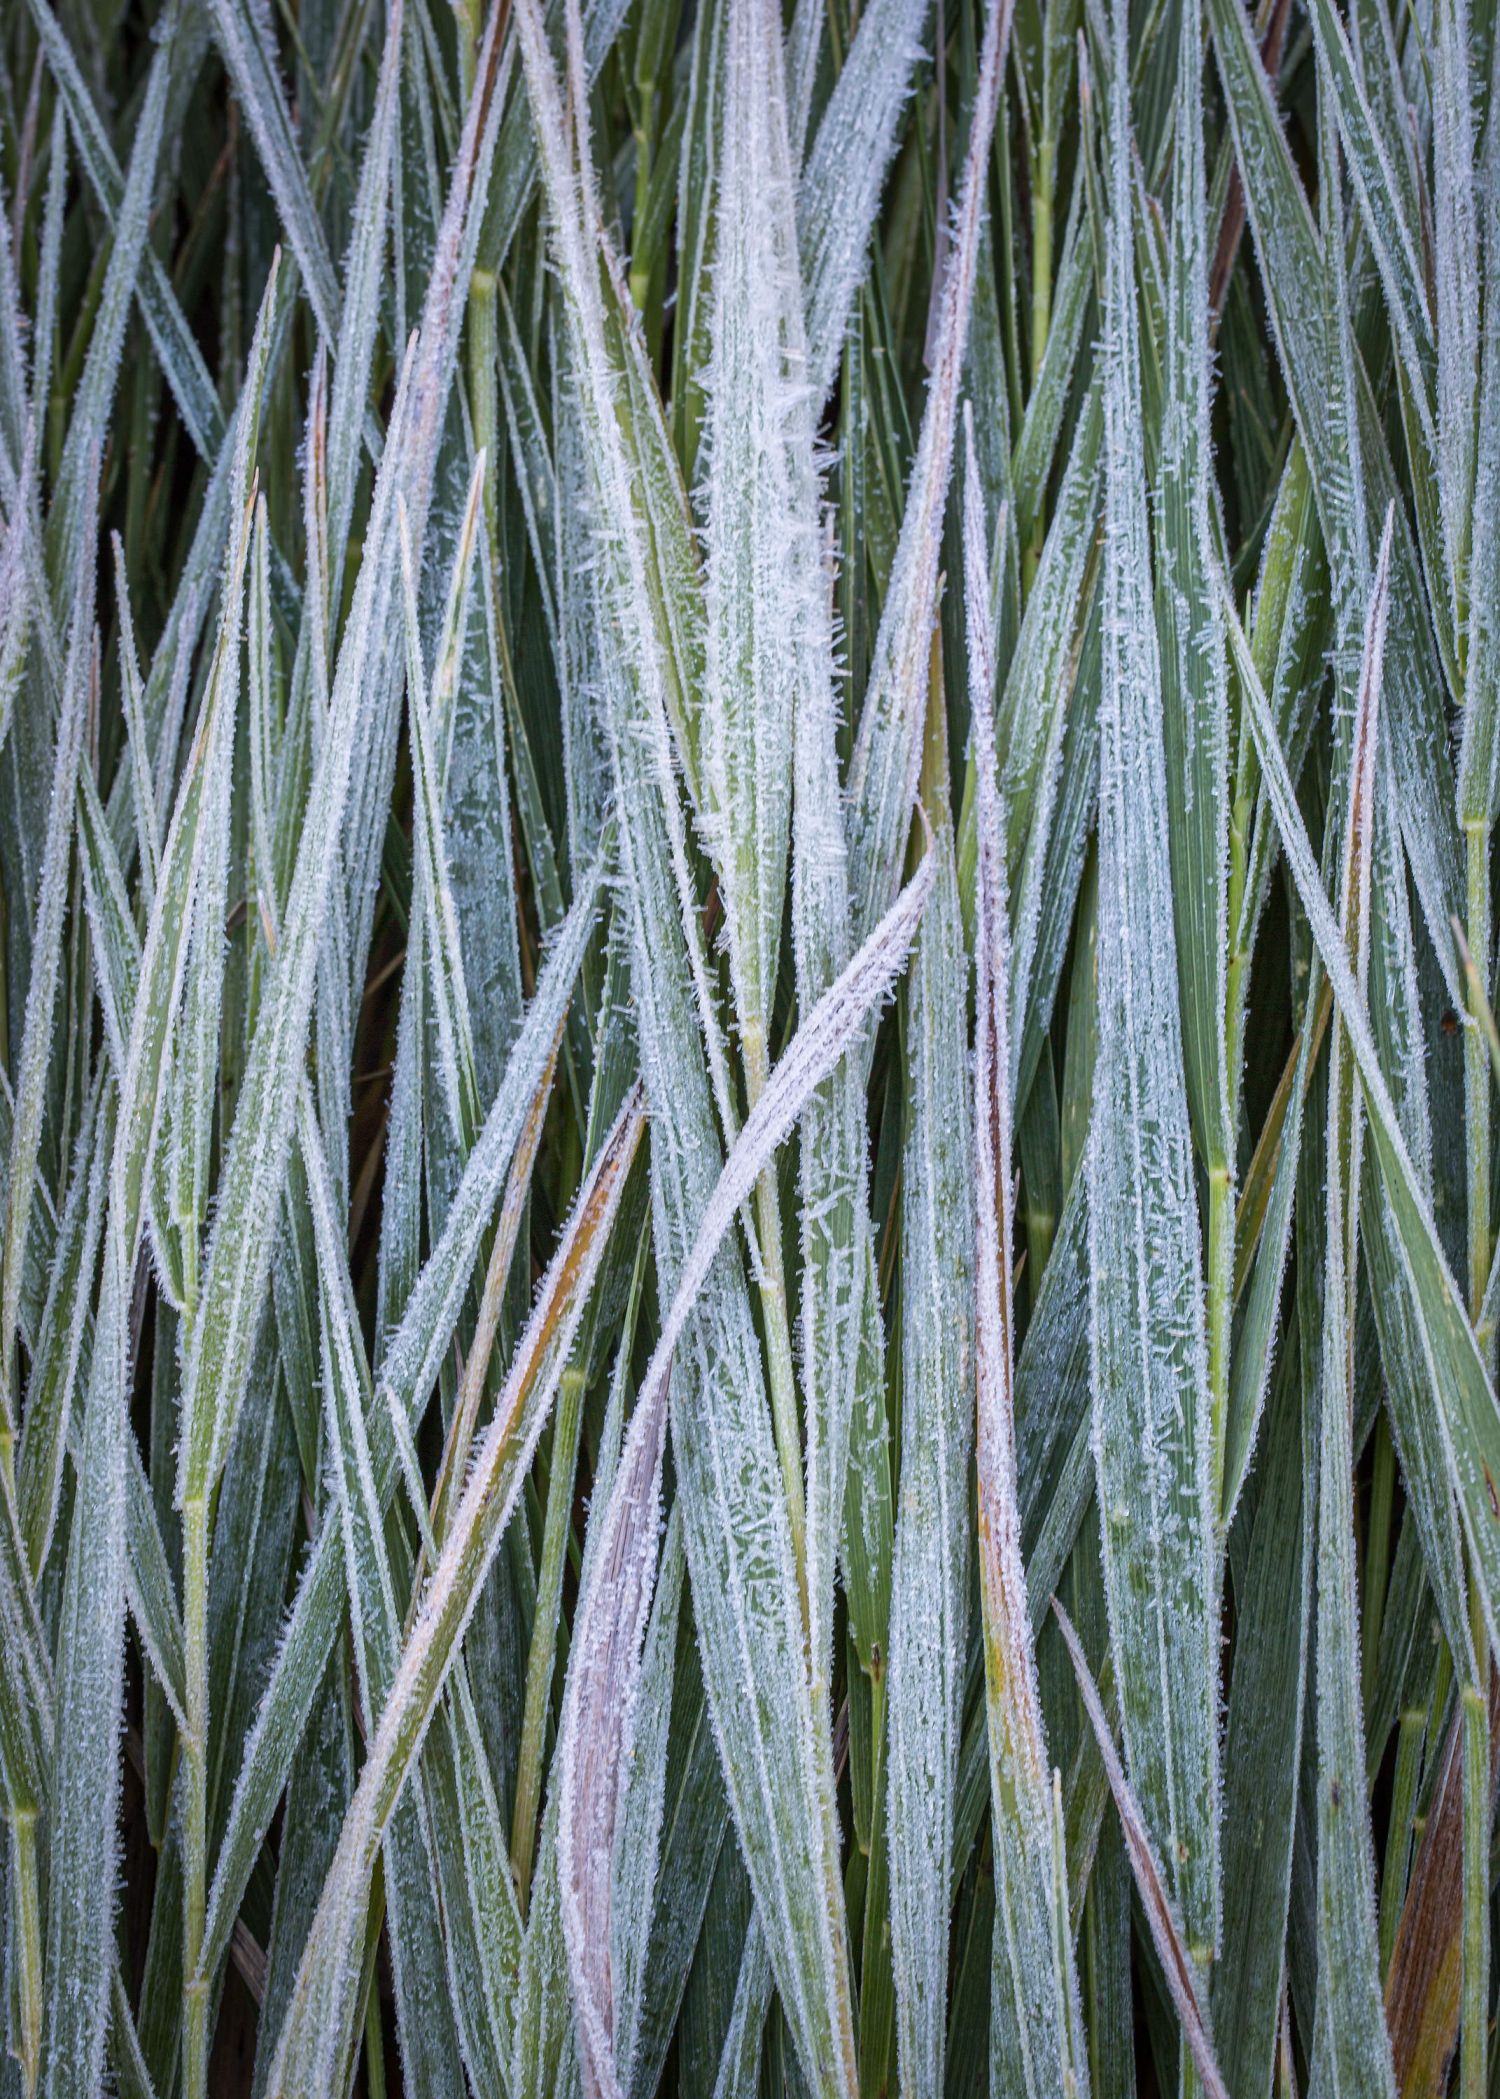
748,1292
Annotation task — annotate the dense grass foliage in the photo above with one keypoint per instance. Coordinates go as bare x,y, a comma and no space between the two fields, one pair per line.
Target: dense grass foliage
748,1216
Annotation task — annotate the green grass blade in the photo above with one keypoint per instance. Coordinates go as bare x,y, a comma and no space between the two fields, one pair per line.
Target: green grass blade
250,1186
71,516
359,315
1263,1738
321,2011
1152,1427
930,1571
50,1390
408,1372
1300,292
603,1682
1167,1932
740,2058
887,753
1036,2040
1470,1416
758,443
839,192
1195,714
41,995
90,1684
1479,771
429,2051
1394,241
638,1847
252,68
181,360
1351,2049
841,1342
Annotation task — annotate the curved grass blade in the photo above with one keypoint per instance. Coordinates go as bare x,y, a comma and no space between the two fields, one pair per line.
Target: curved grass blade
429,2054
598,1720
322,2006
1467,1412
1299,292
743,1570
407,1374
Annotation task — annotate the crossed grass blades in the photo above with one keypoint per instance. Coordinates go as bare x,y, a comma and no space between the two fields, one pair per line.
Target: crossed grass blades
748,1284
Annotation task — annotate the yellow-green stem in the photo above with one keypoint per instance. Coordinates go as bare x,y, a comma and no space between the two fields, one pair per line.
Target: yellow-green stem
1411,1735
374,2038
1041,254
542,1659
640,267
1219,1311
195,1797
483,399
28,1948
877,1979
470,23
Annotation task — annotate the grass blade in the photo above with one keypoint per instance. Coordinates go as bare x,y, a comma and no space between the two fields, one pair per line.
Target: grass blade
1152,1427
321,2011
1352,2051
929,1624
1195,710
598,1714
41,995
840,187
85,1785
887,753
408,1372
1036,2040
1469,1414
1167,1935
